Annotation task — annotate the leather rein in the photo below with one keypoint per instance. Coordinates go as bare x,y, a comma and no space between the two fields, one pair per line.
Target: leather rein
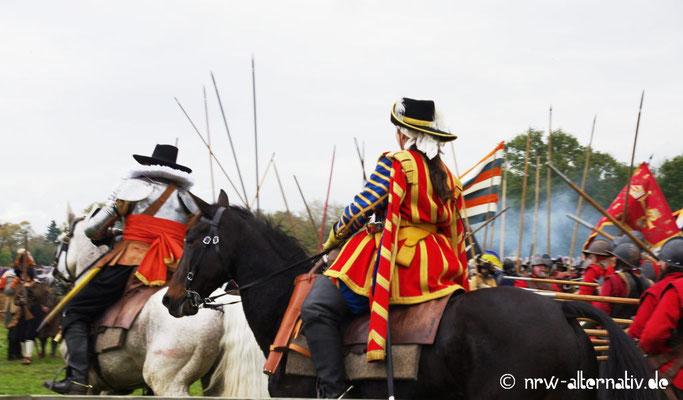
212,239
64,249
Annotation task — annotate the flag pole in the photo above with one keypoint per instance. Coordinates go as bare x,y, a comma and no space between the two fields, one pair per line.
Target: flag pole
327,198
521,215
232,147
502,219
630,168
548,189
208,137
468,229
253,89
536,199
583,187
488,210
602,211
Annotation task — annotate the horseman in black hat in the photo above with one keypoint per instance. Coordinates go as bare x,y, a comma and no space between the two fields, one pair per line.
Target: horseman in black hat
154,205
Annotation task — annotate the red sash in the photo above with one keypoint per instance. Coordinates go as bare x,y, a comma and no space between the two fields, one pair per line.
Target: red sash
166,245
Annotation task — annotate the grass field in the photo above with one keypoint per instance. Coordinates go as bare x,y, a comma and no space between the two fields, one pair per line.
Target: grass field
28,379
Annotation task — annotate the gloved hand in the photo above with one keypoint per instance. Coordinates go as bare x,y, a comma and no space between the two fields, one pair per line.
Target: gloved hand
332,241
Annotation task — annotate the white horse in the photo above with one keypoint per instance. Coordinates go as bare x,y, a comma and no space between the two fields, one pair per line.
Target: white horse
168,354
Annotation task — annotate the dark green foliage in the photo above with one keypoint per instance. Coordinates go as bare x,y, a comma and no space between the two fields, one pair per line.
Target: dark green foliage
670,179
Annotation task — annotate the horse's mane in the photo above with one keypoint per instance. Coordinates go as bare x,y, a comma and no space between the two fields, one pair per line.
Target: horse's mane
284,243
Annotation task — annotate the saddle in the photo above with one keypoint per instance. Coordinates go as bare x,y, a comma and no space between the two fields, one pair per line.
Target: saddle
411,327
116,321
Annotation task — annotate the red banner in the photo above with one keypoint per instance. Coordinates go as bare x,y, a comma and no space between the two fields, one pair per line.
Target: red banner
647,210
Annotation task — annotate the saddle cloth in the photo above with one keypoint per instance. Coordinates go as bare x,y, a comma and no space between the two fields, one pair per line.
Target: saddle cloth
115,322
411,327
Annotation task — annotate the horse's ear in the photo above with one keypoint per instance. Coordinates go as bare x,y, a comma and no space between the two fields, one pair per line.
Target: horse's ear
204,207
70,216
223,199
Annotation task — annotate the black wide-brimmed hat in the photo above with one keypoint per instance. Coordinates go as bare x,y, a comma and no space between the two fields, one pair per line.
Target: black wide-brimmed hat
419,115
164,154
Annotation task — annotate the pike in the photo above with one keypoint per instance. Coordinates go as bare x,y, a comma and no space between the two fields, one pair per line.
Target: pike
232,147
521,215
502,220
603,212
211,152
260,184
468,228
308,210
327,199
253,89
584,297
548,190
208,137
284,198
536,198
605,234
630,168
583,187
487,222
362,161
543,280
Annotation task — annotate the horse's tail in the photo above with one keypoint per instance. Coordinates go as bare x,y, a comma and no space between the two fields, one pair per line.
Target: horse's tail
241,361
623,356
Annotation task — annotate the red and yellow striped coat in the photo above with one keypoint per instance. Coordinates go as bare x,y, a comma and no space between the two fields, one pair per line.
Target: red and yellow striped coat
424,259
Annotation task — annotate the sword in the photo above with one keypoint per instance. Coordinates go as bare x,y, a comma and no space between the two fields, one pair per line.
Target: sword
69,296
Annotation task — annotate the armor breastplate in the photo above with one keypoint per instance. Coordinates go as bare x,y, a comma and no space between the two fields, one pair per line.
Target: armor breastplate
174,209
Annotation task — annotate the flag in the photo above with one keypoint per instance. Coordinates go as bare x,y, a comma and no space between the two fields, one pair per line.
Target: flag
678,216
648,211
480,187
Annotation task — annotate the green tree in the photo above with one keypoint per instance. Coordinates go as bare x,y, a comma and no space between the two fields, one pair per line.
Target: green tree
52,232
670,178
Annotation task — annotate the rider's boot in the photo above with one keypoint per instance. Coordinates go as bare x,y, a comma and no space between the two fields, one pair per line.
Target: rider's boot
322,313
76,381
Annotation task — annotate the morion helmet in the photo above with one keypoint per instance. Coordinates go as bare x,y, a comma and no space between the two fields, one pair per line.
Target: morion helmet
672,252
628,253
599,247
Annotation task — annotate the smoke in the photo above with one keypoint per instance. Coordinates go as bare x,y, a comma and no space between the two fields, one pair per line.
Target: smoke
563,202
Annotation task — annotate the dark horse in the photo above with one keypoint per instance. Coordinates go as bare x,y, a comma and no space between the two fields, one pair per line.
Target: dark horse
483,335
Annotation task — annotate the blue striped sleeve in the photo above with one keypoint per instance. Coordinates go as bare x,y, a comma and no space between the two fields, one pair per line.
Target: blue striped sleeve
367,202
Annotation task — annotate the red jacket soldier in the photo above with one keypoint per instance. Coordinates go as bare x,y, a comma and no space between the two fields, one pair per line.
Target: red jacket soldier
600,265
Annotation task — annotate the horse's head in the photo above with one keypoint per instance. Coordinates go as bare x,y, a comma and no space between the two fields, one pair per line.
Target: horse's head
66,262
204,266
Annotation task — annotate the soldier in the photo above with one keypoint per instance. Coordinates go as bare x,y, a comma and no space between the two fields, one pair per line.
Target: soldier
661,337
421,201
624,283
485,277
540,268
600,265
649,299
155,206
31,300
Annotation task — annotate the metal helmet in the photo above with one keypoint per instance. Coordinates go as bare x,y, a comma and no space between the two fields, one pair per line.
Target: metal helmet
672,252
599,247
628,253
541,259
625,239
508,264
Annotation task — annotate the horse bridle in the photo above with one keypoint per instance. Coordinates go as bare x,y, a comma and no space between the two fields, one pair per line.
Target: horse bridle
64,248
212,238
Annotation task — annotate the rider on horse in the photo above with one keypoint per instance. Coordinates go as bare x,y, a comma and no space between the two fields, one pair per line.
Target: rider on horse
155,206
413,251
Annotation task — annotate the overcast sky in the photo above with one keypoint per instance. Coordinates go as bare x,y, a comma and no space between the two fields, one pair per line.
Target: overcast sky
86,84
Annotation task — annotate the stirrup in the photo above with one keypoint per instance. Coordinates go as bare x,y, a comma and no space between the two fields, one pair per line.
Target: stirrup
345,392
80,384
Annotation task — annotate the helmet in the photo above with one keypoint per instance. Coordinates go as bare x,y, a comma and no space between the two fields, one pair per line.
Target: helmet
628,253
543,259
599,247
672,252
508,264
491,259
626,239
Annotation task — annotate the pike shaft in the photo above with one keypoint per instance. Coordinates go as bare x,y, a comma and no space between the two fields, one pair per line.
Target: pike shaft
583,187
521,215
633,155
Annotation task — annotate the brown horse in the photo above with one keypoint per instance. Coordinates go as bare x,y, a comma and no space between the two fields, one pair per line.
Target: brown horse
484,337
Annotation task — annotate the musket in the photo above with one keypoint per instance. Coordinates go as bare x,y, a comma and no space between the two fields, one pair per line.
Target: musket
605,234
486,223
544,280
602,211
